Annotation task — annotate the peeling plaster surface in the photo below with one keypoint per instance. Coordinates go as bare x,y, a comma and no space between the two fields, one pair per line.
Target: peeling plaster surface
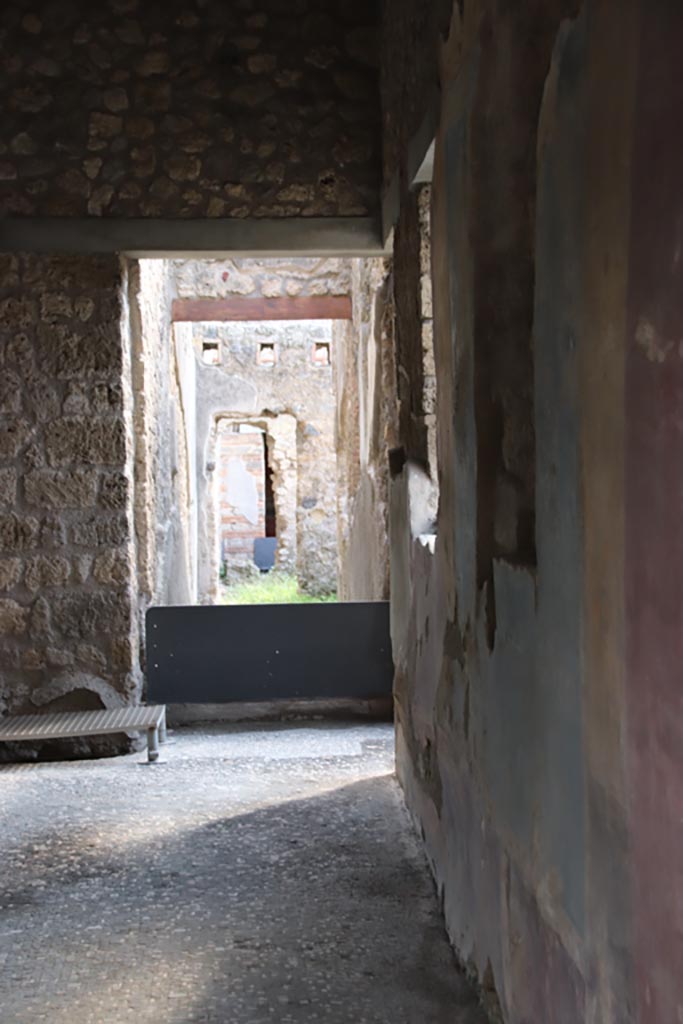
525,734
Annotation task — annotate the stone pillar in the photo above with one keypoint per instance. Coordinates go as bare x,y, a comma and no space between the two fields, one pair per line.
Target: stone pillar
67,605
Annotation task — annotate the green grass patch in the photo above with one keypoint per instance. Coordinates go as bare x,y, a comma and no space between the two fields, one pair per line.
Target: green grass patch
271,588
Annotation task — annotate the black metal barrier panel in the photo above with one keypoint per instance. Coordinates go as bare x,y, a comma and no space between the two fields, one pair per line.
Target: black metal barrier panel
212,655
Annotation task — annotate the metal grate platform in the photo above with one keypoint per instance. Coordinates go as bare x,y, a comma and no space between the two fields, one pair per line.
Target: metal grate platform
63,725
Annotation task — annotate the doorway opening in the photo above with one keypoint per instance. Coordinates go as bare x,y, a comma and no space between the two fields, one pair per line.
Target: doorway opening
267,406
271,512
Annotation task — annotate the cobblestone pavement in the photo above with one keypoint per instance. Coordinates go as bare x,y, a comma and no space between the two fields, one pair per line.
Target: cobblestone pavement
259,875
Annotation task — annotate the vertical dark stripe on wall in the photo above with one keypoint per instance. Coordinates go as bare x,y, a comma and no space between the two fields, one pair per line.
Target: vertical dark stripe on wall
557,327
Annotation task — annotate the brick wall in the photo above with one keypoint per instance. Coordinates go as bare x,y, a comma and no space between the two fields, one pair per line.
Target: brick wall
241,468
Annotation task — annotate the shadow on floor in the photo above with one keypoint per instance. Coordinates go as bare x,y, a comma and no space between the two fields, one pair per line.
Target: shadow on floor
300,911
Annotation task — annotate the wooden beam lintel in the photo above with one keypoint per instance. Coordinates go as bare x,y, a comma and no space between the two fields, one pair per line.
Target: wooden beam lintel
285,307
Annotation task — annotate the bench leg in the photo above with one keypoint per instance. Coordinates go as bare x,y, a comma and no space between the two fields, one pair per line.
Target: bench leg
153,744
163,736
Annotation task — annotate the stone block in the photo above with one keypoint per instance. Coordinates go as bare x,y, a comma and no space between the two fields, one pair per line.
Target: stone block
8,487
183,167
42,397
76,402
47,488
10,393
18,533
19,352
46,571
53,532
81,566
100,200
114,491
57,657
123,654
41,619
54,305
139,127
108,351
88,441
17,313
9,270
33,659
107,398
116,99
10,656
84,307
100,531
104,126
33,456
111,567
88,616
90,656
14,433
83,355
13,617
10,572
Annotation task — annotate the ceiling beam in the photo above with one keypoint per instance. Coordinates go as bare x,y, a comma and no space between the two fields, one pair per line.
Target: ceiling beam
284,307
149,237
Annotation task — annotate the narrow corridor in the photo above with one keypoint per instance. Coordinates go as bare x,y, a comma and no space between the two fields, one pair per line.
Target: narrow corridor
258,875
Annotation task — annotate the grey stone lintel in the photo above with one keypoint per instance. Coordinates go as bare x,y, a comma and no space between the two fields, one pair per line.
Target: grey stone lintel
151,237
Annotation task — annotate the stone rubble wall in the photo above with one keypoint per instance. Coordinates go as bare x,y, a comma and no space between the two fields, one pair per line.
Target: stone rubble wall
189,109
409,82
258,278
366,430
163,484
416,372
68,632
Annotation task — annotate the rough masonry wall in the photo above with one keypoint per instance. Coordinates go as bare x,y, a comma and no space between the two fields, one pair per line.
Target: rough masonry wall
408,84
366,430
416,379
261,278
534,661
163,487
68,634
189,109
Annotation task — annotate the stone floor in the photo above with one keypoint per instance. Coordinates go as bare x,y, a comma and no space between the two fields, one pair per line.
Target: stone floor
260,875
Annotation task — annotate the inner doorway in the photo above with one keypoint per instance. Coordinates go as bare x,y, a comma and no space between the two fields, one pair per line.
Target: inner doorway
268,478
246,514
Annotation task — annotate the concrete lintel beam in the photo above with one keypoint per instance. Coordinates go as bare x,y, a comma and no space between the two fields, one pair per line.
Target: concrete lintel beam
211,239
